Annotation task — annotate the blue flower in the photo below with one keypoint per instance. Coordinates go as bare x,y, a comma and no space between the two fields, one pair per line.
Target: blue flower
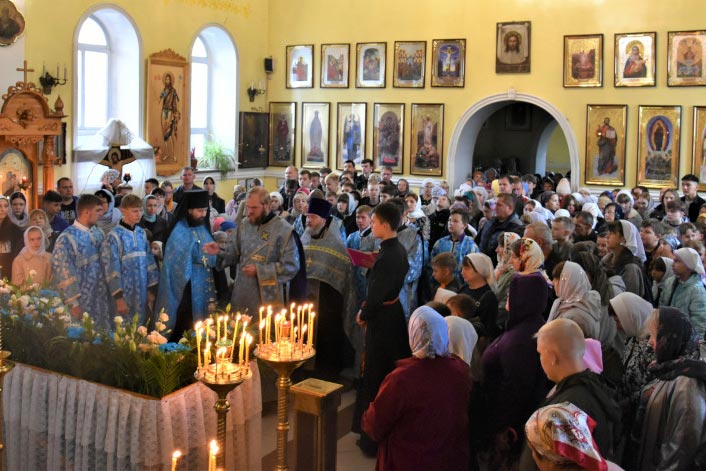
74,332
173,347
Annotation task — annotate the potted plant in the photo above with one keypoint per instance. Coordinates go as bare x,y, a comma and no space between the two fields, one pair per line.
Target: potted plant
215,155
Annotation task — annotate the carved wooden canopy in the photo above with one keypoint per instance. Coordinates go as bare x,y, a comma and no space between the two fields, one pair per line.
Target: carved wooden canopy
25,121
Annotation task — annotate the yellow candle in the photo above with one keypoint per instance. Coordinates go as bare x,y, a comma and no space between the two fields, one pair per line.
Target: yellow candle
262,309
242,347
209,321
207,354
291,322
199,331
262,325
235,336
277,320
268,328
299,316
225,328
295,332
175,457
212,455
301,337
247,350
312,316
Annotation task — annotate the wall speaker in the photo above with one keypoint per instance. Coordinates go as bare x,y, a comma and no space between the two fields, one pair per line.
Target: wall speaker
269,65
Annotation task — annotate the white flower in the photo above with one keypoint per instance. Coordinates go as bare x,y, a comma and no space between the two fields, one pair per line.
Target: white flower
160,326
142,331
43,300
163,317
32,273
118,320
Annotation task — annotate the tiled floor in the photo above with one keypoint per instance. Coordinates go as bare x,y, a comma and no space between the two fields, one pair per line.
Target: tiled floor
348,458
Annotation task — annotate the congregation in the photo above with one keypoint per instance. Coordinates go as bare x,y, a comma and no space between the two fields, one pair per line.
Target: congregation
507,324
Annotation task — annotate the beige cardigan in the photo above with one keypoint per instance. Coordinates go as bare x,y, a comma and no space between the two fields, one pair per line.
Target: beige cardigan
26,262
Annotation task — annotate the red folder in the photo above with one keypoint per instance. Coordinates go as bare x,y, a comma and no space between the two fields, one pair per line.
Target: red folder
362,259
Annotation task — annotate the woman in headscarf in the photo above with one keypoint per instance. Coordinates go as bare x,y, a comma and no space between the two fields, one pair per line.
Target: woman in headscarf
32,264
527,258
111,215
37,217
504,271
276,204
598,220
477,272
627,203
660,271
669,430
462,338
612,212
402,187
410,400
626,254
665,196
576,300
151,220
10,238
110,180
488,213
345,208
552,433
216,203
513,383
415,215
630,313
18,215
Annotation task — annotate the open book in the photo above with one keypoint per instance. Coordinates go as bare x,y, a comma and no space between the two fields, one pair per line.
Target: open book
362,259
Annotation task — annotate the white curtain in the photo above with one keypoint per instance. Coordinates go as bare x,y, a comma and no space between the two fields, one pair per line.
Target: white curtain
56,422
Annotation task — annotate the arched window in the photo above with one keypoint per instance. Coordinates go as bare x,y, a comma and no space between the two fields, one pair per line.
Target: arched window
214,98
108,73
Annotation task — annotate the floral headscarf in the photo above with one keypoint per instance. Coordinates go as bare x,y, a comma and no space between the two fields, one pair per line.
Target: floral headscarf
531,257
506,245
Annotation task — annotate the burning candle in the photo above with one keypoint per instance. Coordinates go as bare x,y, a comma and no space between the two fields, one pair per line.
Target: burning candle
291,321
247,350
301,337
207,354
242,347
225,327
235,335
175,457
262,309
213,451
262,325
277,321
299,316
218,328
286,329
209,321
295,332
198,347
268,327
310,340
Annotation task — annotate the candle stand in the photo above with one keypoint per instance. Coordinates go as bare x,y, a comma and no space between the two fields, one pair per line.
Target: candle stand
222,377
5,367
283,357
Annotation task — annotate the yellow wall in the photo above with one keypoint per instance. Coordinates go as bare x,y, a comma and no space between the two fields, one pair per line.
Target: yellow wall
161,24
322,21
265,27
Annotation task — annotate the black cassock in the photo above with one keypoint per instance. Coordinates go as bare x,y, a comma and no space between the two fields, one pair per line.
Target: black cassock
386,338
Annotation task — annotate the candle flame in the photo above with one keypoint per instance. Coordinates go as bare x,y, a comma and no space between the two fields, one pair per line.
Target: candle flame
176,454
262,324
214,447
197,326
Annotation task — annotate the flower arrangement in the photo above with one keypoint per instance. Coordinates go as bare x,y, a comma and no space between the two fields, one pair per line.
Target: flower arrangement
38,330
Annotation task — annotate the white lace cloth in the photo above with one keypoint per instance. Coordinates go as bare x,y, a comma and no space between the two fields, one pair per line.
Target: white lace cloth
56,422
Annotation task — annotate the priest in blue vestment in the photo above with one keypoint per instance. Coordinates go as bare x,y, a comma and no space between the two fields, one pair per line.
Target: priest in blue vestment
186,289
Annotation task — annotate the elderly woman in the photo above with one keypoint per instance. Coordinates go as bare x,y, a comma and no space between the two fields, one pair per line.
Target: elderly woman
669,427
630,313
576,300
416,423
513,383
552,433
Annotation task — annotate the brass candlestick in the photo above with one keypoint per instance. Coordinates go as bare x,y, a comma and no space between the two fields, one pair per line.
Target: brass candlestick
222,380
5,367
284,366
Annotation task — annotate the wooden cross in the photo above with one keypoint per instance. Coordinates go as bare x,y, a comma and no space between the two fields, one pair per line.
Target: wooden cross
25,70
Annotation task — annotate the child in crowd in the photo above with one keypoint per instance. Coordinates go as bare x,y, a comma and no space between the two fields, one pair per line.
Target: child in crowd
478,274
32,264
689,232
675,215
443,267
457,242
37,217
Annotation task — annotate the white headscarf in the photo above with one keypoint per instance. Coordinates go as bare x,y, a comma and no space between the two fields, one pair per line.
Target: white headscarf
428,334
632,311
417,213
587,196
42,248
691,259
573,284
536,216
562,213
633,242
481,193
563,188
579,197
626,192
462,338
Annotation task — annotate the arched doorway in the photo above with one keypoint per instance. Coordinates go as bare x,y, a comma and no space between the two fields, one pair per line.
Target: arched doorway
465,135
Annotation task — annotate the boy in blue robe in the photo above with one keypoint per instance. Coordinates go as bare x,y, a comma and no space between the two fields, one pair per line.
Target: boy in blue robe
76,265
130,269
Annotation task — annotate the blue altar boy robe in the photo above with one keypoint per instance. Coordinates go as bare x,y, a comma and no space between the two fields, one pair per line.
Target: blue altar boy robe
460,249
184,262
78,273
414,244
129,268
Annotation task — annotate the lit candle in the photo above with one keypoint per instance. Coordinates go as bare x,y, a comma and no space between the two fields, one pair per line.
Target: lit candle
207,354
247,351
218,327
268,328
225,328
291,309
299,315
262,325
209,321
198,346
301,337
175,457
235,336
262,308
277,319
312,316
212,455
291,321
220,356
242,347
295,332
286,329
